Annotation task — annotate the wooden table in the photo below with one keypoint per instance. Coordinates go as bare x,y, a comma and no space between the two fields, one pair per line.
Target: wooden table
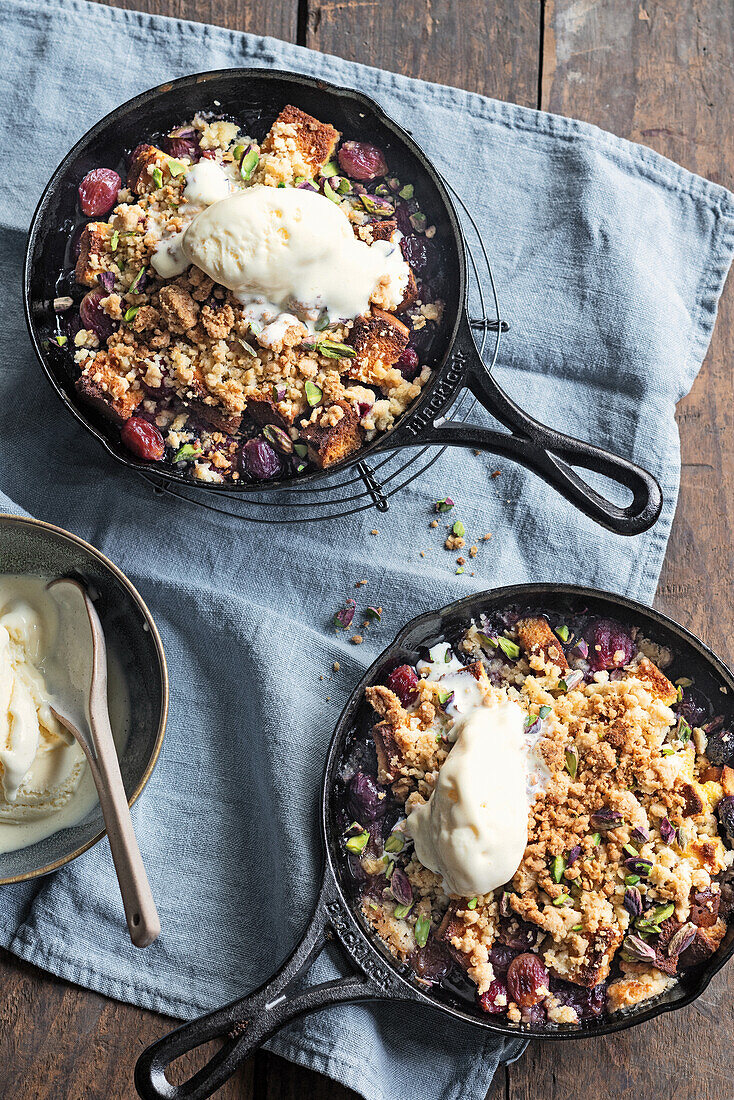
660,72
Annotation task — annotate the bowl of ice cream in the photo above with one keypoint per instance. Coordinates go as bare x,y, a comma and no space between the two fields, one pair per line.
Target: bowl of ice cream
49,812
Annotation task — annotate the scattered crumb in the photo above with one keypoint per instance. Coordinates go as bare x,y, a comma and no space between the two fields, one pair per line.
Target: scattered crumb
423,553
473,551
455,542
328,698
472,574
336,666
321,677
357,639
642,14
374,531
461,561
487,537
477,453
434,523
496,473
360,583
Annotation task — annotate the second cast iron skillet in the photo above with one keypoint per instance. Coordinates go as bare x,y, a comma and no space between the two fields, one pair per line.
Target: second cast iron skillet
254,97
247,1023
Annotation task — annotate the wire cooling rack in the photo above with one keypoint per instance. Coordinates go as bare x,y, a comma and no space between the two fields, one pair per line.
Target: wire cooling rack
366,485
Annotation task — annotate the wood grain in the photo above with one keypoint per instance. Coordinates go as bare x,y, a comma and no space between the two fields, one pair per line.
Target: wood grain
657,72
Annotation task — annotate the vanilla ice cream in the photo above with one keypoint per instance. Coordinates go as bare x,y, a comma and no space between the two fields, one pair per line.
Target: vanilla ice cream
290,245
45,783
473,830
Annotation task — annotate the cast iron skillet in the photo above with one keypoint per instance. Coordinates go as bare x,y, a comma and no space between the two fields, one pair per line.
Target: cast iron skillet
254,97
251,1021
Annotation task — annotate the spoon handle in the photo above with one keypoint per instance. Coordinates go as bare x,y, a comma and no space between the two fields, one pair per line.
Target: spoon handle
137,899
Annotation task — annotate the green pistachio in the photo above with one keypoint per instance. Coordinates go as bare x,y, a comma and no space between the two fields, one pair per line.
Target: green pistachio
314,394
157,177
472,904
558,866
509,648
357,844
422,928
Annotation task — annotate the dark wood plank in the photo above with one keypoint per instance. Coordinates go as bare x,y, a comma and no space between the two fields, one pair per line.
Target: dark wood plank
485,46
663,74
59,1041
278,18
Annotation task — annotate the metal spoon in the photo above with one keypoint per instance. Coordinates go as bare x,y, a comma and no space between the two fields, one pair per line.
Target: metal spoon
99,748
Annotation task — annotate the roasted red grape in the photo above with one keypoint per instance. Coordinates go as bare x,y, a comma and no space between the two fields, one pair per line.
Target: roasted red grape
495,999
526,977
143,439
403,681
362,161
98,192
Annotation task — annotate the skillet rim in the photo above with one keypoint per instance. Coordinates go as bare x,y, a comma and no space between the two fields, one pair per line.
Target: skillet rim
376,446
465,607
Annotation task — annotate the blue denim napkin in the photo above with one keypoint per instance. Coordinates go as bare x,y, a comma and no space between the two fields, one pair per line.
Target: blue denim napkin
610,261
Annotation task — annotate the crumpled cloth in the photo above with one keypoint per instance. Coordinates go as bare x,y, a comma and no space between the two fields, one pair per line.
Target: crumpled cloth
609,261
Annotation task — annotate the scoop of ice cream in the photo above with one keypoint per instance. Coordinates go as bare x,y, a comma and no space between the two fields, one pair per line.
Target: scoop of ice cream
40,767
293,245
474,828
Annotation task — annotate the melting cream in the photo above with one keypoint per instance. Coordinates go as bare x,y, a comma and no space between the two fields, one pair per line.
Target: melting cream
285,245
206,183
473,830
45,783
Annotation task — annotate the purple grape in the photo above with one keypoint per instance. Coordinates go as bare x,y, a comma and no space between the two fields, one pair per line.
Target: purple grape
362,161
415,252
93,317
364,798
431,962
179,147
408,364
694,707
259,460
402,216
725,812
500,956
610,645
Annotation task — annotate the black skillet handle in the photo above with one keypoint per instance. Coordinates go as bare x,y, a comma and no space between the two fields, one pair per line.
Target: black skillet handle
547,452
249,1022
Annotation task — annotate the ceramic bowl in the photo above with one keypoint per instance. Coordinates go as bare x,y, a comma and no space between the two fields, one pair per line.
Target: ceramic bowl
28,546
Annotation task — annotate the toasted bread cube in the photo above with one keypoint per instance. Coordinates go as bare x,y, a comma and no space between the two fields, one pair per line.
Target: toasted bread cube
411,292
332,437
379,340
92,252
377,231
692,801
103,385
206,408
706,943
656,682
145,159
296,145
598,959
264,410
537,639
